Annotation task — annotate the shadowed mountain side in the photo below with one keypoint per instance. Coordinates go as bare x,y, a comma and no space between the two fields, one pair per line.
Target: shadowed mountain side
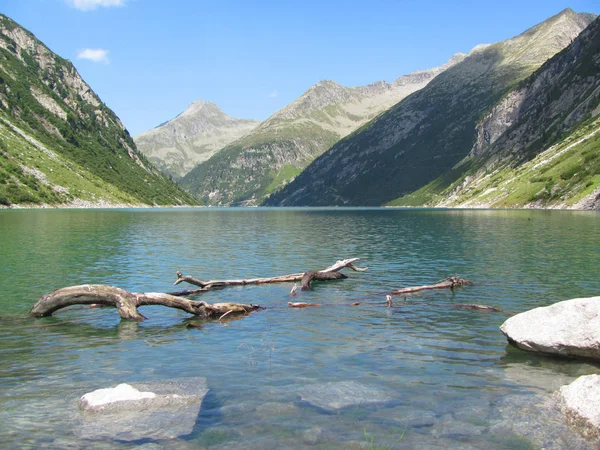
430,131
539,145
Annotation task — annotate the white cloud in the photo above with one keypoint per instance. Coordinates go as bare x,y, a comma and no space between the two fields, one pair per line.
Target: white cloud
94,54
273,94
88,5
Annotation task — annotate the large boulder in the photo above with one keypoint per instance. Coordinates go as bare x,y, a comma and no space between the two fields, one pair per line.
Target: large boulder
570,328
157,410
580,401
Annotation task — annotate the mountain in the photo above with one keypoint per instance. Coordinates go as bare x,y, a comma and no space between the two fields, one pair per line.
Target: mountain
539,146
177,146
429,132
59,143
277,150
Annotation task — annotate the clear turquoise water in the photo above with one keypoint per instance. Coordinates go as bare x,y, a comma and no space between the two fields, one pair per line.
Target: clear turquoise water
453,381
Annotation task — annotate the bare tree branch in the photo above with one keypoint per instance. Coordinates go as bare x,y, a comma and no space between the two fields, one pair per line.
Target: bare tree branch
334,268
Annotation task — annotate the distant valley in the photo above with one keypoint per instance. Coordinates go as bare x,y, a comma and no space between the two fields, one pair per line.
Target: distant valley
512,124
268,157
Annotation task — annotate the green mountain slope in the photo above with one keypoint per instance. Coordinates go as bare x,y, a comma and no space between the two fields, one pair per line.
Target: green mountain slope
275,152
565,176
551,116
429,132
50,118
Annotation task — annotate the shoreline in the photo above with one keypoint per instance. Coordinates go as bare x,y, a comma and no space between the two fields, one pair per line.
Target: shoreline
102,205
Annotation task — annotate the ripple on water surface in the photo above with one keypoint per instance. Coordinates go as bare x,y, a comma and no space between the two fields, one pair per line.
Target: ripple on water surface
449,378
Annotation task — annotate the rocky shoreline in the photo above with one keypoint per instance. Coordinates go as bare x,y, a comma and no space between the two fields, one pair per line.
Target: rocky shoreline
84,204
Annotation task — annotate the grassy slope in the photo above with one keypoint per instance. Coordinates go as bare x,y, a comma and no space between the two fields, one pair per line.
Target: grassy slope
21,159
90,137
561,176
562,173
249,168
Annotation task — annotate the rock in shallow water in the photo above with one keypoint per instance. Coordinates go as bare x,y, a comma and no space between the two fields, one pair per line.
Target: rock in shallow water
336,395
570,328
131,412
580,401
100,398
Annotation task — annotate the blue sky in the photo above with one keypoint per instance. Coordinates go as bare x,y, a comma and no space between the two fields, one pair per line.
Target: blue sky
149,59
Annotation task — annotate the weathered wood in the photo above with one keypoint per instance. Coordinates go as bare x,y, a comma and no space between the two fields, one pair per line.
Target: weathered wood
447,283
334,268
312,275
128,302
186,292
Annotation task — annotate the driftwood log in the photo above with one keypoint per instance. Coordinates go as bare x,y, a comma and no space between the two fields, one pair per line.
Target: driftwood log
447,283
330,273
127,303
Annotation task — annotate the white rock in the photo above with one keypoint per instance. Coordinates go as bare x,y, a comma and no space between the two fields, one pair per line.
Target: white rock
155,410
581,403
570,328
123,392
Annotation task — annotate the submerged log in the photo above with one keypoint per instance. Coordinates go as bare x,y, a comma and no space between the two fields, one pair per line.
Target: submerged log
317,275
127,303
447,283
476,307
301,304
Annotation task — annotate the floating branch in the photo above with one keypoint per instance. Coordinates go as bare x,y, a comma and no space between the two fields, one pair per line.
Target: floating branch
127,303
447,283
330,273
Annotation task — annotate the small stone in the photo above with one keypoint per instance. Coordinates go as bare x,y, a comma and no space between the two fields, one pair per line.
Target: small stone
312,436
336,395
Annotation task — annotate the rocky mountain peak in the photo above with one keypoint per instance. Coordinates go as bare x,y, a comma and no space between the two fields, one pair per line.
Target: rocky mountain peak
533,46
325,92
179,144
202,107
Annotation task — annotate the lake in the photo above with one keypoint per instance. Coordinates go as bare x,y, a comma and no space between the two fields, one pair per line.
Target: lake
447,374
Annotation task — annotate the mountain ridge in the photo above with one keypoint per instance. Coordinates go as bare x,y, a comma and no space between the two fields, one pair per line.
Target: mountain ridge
193,136
430,131
280,147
